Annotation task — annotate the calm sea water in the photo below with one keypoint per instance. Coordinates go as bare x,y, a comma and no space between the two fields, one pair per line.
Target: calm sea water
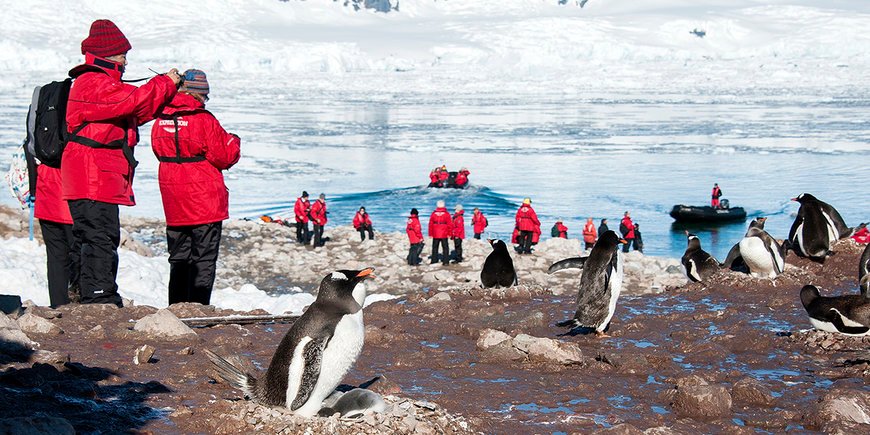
576,155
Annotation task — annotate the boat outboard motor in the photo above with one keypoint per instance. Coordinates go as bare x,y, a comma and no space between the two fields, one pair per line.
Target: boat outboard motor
724,203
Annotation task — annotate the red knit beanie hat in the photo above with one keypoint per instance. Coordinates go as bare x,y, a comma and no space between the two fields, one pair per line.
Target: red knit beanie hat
105,39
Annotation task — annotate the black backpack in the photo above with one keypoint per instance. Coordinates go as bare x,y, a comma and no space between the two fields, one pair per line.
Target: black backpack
555,230
49,135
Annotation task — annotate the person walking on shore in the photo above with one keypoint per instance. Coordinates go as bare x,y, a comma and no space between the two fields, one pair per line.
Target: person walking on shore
458,232
527,223
603,227
715,195
638,240
103,115
193,148
301,209
415,238
478,223
626,228
589,234
318,218
440,229
363,223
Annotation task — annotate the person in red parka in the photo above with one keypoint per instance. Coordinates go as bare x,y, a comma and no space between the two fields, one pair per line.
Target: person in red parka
462,177
715,195
415,237
590,234
103,115
435,178
626,228
301,209
440,229
363,223
478,223
193,149
458,232
560,229
527,223
318,218
443,175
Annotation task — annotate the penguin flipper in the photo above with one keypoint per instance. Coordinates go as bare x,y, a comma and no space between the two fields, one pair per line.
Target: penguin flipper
568,263
840,324
733,255
313,355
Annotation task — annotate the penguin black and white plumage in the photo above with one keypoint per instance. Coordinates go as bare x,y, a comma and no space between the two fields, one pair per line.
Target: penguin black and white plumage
498,268
864,272
315,354
846,314
816,227
600,283
698,263
762,254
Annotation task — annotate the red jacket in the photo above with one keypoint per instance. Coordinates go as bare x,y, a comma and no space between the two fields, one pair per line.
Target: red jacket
462,178
443,175
860,236
361,218
717,192
434,178
563,230
318,212
111,108
626,221
589,233
415,232
527,219
515,235
301,209
459,225
478,221
49,204
194,193
440,224
536,235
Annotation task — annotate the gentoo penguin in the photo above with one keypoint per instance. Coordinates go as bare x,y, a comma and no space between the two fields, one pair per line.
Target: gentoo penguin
600,283
353,403
864,272
698,263
816,227
733,260
763,255
846,314
498,268
316,353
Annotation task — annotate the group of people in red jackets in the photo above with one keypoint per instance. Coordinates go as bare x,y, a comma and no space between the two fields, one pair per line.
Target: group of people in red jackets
442,227
440,177
78,204
316,213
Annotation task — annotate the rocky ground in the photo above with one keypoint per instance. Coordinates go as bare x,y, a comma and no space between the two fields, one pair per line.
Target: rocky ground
732,355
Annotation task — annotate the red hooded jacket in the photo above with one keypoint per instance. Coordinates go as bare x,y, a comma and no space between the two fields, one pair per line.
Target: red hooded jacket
563,230
589,233
459,225
527,219
626,221
462,178
440,224
414,230
49,204
301,208
478,221
193,193
434,178
359,219
113,111
318,212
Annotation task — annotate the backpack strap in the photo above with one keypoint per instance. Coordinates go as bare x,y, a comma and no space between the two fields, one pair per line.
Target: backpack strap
178,158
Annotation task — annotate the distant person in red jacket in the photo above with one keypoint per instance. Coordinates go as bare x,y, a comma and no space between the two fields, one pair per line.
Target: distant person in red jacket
478,223
435,177
363,223
559,230
589,233
193,149
440,229
318,219
301,209
415,238
458,232
528,223
626,228
716,194
462,177
443,175
103,115
862,235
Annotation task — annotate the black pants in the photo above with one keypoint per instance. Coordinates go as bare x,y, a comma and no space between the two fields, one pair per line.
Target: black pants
414,253
445,248
477,236
525,242
628,243
362,232
457,245
303,235
63,256
589,245
318,235
193,253
97,231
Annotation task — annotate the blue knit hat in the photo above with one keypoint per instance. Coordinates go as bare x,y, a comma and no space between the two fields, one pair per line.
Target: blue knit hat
195,82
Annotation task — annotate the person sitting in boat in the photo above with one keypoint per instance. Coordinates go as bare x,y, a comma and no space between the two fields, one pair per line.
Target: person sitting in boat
462,177
435,177
443,175
717,193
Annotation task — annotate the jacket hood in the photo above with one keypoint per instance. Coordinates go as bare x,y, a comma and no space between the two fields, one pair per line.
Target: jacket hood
182,102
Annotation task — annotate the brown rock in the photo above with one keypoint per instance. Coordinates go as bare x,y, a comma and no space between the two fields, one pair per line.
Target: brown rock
504,351
752,392
491,337
143,354
844,405
620,429
702,401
